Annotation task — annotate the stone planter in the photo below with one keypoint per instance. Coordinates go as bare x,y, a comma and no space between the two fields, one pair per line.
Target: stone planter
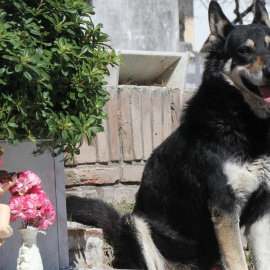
54,245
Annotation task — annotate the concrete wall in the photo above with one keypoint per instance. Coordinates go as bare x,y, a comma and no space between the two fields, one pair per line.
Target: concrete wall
140,118
139,25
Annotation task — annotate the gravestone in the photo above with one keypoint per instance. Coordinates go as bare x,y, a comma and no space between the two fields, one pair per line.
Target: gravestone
54,245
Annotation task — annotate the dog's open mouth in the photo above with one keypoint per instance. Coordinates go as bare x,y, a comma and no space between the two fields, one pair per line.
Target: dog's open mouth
261,91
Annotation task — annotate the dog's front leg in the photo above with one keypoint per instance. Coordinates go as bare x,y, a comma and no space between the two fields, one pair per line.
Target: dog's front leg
257,225
226,226
258,236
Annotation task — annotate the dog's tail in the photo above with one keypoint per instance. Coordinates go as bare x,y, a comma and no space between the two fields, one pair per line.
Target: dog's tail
95,213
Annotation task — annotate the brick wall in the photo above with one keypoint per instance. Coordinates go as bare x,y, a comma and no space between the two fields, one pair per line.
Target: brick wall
139,119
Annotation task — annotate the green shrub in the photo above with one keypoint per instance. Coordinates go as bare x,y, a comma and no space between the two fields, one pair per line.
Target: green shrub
52,66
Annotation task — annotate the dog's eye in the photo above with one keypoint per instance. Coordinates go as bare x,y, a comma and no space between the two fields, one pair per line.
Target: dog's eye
245,50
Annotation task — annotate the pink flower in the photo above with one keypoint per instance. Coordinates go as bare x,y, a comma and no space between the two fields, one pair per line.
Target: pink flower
16,204
25,181
47,214
37,189
30,203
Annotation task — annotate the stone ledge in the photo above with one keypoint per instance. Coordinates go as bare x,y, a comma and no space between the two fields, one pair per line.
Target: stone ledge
117,194
92,175
132,173
103,175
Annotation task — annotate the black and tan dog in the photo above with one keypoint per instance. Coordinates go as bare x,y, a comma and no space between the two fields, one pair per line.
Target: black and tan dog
212,175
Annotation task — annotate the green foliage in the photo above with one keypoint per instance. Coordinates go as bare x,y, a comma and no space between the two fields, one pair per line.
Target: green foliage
52,66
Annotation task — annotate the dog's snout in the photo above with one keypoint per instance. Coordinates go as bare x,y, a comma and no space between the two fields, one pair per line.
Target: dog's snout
266,71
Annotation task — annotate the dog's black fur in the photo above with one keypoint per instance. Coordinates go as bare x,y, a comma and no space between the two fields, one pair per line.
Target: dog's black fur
210,177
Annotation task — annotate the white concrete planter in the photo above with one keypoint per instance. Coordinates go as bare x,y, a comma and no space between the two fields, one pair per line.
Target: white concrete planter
54,245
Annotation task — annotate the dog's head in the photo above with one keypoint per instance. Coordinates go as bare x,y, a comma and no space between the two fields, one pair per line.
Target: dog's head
245,54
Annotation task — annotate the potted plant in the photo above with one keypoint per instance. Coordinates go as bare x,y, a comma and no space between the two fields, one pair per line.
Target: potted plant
52,66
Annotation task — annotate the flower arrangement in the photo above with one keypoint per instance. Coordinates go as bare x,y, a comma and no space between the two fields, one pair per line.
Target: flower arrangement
30,203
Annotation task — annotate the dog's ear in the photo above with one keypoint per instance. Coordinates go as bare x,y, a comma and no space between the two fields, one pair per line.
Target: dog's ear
220,26
260,14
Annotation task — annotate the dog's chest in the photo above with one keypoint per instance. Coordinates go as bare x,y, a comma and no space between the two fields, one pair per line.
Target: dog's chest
246,178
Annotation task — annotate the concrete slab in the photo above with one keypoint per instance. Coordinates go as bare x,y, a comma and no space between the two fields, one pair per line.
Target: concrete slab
150,68
147,67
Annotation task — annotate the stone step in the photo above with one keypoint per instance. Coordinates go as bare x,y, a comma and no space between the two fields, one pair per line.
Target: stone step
85,246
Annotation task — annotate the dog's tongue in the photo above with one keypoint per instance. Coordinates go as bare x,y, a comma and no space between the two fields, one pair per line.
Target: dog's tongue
265,92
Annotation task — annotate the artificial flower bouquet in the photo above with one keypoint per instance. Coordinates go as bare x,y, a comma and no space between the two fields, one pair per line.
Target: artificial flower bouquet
30,203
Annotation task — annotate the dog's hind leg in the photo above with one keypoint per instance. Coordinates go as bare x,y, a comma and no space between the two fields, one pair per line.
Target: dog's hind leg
258,236
228,235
